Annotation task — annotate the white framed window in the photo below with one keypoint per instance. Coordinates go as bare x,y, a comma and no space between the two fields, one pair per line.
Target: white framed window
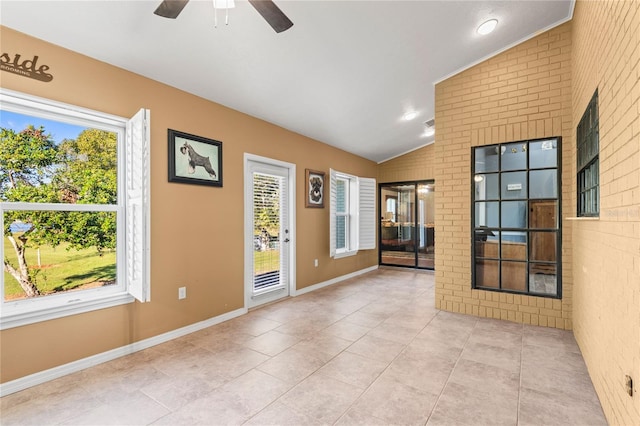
352,202
74,209
345,234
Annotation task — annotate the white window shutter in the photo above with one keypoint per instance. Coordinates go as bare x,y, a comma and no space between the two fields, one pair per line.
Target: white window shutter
332,212
367,213
137,207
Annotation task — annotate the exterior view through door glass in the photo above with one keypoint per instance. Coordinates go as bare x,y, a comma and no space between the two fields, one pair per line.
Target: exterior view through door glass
406,224
270,233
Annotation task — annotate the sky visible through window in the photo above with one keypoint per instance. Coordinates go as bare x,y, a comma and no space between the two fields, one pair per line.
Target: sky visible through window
58,130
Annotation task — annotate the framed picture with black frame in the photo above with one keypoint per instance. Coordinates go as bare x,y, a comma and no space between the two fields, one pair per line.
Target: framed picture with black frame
194,159
315,188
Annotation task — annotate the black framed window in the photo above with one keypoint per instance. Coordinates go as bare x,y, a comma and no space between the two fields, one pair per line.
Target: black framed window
515,217
588,141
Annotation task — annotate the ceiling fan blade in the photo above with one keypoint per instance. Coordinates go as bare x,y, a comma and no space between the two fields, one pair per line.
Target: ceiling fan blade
272,14
171,8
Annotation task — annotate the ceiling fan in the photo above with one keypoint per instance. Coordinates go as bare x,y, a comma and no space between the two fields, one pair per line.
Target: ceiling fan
267,8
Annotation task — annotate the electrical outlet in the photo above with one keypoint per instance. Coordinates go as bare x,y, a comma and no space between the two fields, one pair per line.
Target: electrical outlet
315,262
182,293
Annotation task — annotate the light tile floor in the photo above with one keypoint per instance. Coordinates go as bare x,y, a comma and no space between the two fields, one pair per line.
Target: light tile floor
372,350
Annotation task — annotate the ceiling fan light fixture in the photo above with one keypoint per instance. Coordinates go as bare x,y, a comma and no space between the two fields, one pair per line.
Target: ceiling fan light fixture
487,27
266,8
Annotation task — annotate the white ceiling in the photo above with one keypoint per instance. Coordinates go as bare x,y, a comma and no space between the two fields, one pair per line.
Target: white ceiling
344,74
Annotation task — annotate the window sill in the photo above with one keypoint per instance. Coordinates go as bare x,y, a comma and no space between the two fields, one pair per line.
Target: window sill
19,316
345,254
583,218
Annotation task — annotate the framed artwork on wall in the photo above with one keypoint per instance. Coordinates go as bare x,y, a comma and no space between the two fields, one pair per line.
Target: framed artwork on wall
194,159
315,188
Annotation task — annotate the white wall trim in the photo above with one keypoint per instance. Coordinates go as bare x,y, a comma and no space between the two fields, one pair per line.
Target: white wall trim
81,364
333,281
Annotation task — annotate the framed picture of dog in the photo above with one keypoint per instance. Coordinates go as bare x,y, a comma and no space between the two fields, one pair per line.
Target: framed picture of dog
194,159
315,189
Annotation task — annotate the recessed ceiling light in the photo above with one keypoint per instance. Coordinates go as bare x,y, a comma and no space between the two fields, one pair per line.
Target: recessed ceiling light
487,27
410,115
430,131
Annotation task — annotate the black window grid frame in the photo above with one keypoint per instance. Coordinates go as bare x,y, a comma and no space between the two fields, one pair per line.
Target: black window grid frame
415,183
588,161
527,229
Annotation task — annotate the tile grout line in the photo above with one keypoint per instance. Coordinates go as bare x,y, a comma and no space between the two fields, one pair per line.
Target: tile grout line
371,384
308,375
451,373
272,356
294,385
520,378
386,368
316,370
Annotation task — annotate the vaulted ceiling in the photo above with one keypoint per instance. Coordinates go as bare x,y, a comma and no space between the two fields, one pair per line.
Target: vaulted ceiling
344,74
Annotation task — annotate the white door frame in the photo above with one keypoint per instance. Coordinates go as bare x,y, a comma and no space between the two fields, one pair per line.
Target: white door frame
248,226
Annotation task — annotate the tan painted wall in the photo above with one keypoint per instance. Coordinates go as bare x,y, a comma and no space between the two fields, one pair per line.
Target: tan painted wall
415,165
196,232
606,252
522,93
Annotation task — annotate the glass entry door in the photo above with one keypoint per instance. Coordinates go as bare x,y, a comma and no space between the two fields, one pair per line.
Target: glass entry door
406,224
267,231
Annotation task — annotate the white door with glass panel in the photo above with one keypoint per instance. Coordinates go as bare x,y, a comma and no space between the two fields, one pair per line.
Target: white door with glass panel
268,229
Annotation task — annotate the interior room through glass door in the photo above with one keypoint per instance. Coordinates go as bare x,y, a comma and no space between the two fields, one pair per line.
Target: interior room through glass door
406,224
397,231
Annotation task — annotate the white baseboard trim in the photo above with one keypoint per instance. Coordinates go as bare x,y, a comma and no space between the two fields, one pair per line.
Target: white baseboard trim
81,364
84,363
333,281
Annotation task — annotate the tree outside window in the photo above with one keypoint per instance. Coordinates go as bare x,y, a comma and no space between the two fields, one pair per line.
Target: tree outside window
48,250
